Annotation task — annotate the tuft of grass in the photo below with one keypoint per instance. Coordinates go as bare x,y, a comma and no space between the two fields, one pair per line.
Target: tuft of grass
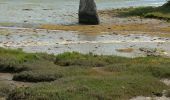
36,76
74,58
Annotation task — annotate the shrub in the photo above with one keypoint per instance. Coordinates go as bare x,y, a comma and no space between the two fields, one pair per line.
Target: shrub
37,76
9,64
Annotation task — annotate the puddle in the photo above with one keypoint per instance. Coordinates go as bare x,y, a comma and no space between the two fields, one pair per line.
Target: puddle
56,42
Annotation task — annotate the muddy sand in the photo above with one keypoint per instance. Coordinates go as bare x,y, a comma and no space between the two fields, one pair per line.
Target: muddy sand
129,37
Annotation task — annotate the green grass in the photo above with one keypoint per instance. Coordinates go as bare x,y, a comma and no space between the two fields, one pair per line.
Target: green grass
75,76
119,87
37,76
90,60
161,12
17,60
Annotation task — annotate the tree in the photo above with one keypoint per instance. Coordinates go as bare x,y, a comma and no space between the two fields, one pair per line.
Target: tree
168,3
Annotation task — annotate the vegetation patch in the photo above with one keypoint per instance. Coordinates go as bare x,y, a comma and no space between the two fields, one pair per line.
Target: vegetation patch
119,87
37,76
76,76
126,50
17,60
4,89
74,58
161,12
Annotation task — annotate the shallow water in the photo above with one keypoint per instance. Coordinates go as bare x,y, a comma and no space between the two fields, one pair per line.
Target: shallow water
56,11
56,42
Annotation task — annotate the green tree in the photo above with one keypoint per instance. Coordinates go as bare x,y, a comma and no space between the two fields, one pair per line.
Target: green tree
168,3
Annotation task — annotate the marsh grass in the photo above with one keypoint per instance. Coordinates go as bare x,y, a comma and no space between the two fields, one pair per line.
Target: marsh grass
4,89
37,76
119,87
17,60
76,76
161,12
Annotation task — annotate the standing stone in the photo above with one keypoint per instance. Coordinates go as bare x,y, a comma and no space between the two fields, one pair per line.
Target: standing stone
88,12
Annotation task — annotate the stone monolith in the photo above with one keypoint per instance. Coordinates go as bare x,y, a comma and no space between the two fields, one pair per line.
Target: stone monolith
88,12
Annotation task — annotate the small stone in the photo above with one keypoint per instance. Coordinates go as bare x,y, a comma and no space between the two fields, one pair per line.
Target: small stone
27,9
157,94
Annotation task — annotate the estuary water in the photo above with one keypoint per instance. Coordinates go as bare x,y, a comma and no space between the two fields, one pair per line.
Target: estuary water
56,11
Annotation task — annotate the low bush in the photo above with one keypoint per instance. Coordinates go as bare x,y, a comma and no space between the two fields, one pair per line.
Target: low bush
10,64
37,76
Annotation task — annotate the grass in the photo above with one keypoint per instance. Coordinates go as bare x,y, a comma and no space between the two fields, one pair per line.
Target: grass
91,88
75,76
17,60
77,59
6,24
4,89
161,12
37,76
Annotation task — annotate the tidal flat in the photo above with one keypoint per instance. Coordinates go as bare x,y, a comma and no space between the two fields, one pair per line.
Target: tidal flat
46,55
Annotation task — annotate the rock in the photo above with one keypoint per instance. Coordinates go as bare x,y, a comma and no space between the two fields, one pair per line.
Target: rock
153,51
157,94
88,12
27,9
